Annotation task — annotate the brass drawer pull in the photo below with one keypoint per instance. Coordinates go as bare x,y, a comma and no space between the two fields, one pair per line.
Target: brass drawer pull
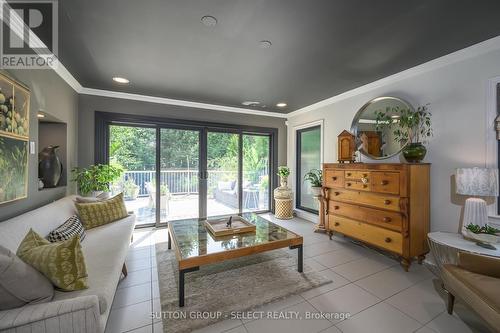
336,207
387,202
365,186
349,174
348,184
387,219
384,182
337,193
334,178
337,224
388,240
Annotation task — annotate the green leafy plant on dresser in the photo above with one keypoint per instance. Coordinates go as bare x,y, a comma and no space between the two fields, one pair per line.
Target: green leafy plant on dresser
410,128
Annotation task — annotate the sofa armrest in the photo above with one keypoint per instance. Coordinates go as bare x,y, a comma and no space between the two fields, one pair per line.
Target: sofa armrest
479,264
79,314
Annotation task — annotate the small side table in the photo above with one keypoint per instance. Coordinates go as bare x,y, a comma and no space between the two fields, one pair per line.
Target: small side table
446,245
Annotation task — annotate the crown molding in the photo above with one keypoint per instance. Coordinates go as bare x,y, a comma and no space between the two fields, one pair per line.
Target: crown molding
169,101
484,47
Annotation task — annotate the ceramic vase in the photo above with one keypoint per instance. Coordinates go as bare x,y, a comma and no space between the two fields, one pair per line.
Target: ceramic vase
49,167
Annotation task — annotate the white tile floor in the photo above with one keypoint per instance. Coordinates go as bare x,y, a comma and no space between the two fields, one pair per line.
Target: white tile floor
379,295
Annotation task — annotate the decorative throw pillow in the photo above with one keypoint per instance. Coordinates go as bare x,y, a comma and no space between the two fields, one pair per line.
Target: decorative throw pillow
62,262
99,213
20,283
68,229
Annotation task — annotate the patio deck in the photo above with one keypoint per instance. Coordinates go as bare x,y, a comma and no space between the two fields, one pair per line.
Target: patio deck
178,207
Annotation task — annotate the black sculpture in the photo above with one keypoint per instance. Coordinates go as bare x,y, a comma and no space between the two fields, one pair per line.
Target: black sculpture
49,167
228,224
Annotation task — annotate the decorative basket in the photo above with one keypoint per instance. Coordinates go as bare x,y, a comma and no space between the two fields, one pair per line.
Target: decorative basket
283,209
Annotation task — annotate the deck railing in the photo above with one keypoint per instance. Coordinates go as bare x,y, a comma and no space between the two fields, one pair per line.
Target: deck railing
186,181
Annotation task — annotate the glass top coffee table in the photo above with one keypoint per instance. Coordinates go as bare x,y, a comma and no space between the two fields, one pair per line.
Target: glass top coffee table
196,246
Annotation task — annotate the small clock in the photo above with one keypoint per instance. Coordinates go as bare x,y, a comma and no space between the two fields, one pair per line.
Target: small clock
346,147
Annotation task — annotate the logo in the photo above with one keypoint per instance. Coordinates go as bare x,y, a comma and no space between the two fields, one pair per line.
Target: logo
29,34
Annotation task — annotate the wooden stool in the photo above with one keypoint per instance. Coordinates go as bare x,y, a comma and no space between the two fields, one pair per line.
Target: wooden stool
283,209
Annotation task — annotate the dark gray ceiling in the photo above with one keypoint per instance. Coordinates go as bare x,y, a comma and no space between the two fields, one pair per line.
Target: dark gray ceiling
320,48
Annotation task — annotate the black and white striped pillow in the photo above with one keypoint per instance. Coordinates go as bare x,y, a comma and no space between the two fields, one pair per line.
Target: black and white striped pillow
72,227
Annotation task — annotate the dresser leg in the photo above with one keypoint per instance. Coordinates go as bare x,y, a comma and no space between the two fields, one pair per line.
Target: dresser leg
421,259
405,263
330,234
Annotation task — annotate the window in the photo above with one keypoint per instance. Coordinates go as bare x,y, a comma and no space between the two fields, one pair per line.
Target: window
308,157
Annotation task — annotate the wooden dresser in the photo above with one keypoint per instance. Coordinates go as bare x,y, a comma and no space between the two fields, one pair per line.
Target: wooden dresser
384,205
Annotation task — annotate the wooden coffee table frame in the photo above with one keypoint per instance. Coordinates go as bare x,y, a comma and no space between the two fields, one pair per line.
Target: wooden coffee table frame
193,264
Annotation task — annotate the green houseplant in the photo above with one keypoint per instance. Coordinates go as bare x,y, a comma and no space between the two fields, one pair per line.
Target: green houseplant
95,178
410,128
283,173
315,178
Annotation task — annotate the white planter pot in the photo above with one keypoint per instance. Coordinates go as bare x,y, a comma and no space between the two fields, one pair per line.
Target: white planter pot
483,238
316,191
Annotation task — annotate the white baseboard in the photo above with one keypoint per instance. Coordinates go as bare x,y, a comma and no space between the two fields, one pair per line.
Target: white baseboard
306,215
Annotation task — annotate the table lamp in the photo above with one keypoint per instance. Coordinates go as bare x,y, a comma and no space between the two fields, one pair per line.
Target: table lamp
476,182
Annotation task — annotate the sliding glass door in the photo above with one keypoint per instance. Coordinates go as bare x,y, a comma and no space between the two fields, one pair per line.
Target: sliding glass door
182,172
179,174
133,149
222,169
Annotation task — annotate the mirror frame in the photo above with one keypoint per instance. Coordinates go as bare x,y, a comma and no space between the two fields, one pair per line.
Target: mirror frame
354,124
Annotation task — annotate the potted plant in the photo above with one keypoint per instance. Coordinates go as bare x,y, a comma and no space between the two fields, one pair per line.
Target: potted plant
95,179
315,178
164,196
485,234
130,189
412,128
283,173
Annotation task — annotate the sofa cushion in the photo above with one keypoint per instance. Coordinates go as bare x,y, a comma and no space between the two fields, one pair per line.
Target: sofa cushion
105,250
42,220
95,214
20,283
62,262
68,229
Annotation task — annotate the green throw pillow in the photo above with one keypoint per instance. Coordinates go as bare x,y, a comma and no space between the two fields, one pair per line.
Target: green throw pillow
61,262
94,214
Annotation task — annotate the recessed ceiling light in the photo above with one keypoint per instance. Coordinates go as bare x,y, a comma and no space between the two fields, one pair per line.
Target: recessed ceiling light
209,21
250,103
40,115
281,105
121,80
265,44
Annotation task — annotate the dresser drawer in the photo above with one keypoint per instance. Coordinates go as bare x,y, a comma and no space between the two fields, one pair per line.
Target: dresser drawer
357,185
334,178
357,175
365,198
387,239
383,218
385,182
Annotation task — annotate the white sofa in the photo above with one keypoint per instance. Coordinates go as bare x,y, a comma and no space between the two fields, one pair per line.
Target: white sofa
104,248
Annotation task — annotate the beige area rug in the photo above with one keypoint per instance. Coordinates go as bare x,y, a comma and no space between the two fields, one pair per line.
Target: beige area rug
236,285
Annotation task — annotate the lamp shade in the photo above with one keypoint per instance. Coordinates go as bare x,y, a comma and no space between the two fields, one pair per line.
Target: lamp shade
477,181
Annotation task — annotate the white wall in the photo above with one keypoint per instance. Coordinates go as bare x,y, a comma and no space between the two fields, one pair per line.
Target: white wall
458,94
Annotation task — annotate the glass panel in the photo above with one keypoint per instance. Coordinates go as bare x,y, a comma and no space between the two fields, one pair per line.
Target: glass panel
193,239
255,172
309,158
179,151
222,166
134,149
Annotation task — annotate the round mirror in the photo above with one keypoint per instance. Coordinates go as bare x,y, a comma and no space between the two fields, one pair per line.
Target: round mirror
373,138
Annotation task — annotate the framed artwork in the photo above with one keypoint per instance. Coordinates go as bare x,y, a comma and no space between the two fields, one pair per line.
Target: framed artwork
14,138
